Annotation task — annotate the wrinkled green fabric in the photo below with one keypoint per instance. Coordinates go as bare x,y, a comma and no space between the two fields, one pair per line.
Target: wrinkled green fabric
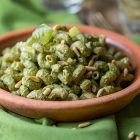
15,127
16,14
128,119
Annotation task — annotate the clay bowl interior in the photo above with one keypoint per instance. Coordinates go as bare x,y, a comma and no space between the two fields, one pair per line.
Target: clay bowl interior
74,110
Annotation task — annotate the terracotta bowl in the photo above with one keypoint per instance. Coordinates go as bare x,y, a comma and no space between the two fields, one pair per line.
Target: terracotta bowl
81,109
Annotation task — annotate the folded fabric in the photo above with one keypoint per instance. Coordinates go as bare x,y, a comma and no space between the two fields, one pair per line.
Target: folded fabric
128,119
16,127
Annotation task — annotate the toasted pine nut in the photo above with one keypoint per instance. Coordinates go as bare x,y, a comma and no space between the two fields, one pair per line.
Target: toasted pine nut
18,84
34,78
76,52
63,41
125,72
84,124
89,68
56,27
131,135
99,93
47,91
62,62
114,62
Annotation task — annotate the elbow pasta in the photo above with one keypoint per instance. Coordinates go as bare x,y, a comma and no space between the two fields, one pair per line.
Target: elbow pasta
64,64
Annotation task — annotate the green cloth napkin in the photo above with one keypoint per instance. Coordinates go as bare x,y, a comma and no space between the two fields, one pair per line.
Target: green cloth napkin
16,14
128,119
15,127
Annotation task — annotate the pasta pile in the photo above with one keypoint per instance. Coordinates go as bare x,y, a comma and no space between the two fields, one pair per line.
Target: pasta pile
57,63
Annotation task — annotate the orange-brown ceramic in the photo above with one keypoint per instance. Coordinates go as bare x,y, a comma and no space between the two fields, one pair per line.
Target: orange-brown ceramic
81,109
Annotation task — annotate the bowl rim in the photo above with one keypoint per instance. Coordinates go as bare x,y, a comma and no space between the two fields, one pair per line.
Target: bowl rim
133,88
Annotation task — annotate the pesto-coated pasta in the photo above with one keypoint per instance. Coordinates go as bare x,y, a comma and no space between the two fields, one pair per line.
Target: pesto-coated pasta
58,93
23,91
87,95
57,63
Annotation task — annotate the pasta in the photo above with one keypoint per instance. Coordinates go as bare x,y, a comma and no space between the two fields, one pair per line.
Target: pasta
56,63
